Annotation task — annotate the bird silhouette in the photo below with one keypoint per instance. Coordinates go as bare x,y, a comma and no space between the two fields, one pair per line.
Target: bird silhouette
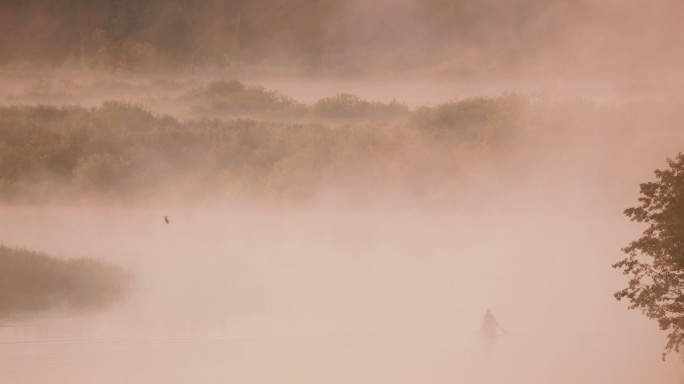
166,219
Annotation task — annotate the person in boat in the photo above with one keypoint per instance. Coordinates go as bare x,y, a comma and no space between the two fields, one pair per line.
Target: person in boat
489,325
490,331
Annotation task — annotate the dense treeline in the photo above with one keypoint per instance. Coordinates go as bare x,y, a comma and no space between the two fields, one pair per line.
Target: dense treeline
32,281
445,38
121,150
132,34
223,99
139,34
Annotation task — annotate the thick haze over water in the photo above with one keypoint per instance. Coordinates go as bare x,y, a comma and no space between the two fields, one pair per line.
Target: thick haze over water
330,295
318,238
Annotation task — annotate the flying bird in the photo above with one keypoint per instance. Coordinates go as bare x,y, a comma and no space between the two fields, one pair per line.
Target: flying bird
166,219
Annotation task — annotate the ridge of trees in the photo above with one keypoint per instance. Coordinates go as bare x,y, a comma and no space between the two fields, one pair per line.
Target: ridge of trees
121,149
143,34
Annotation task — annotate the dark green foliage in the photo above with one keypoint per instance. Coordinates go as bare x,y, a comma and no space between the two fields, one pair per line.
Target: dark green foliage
32,281
655,261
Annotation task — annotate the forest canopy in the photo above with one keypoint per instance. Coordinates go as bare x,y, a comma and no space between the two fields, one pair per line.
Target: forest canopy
120,150
453,38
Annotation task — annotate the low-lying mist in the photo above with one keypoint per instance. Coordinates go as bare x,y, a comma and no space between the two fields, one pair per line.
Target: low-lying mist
398,236
336,294
335,191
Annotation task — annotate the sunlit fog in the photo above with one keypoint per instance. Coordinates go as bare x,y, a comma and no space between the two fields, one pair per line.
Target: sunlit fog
336,191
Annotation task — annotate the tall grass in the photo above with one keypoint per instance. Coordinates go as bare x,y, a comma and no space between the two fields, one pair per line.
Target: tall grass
32,281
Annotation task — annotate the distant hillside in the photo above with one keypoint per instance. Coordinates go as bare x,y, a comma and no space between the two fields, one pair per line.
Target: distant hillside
447,37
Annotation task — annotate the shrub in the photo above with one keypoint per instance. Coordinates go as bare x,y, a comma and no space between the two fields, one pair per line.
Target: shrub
476,120
31,281
345,106
234,99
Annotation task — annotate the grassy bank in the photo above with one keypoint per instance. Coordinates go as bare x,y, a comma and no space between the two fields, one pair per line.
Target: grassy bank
32,281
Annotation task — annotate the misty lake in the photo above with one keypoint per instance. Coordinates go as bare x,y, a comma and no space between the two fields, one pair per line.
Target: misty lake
323,192
330,295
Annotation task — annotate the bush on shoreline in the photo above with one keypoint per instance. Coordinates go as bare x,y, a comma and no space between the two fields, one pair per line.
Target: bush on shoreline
33,281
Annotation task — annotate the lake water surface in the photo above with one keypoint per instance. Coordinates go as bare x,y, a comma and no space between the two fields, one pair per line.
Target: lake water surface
332,296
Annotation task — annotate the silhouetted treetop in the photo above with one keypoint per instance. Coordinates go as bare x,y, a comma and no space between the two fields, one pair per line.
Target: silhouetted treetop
655,262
